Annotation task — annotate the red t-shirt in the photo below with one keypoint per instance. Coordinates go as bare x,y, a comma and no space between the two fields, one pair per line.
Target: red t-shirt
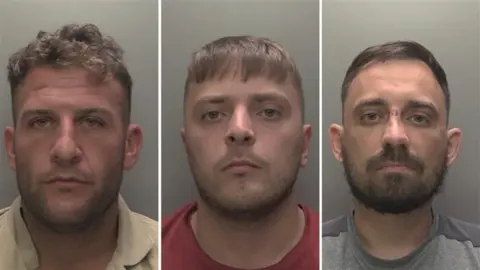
180,250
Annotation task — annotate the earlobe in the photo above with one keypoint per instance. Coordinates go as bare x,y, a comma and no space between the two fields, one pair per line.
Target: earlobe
454,137
133,144
182,134
307,134
336,131
9,137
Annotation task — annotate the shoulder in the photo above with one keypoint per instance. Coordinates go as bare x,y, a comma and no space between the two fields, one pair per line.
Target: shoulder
137,242
312,227
9,256
335,227
3,214
312,215
459,231
177,220
147,225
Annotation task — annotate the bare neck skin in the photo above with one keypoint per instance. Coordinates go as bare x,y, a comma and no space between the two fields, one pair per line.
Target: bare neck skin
249,246
92,249
391,237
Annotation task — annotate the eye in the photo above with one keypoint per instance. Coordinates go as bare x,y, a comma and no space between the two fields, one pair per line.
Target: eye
211,115
419,119
370,118
92,122
41,122
270,113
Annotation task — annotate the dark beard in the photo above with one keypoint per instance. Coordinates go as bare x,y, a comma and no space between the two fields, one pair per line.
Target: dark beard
383,201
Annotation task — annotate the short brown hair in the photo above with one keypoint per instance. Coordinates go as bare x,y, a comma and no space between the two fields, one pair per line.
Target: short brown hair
396,50
72,45
247,57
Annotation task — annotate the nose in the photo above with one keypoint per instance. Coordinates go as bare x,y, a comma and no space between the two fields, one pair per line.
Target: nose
240,130
395,133
65,151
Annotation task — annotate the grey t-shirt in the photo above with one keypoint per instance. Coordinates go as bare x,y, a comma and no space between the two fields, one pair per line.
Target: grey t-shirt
452,245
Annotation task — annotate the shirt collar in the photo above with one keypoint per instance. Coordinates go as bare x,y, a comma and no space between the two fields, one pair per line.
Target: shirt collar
133,244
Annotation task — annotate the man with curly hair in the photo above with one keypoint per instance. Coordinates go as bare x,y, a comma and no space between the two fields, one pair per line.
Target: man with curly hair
70,141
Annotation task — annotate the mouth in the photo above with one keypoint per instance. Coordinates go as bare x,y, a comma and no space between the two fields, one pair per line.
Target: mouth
61,180
395,167
240,166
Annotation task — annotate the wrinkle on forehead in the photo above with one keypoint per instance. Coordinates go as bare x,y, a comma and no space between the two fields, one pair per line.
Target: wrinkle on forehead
65,78
70,87
407,78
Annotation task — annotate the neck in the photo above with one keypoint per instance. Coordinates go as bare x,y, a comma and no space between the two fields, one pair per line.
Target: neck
93,247
388,236
253,245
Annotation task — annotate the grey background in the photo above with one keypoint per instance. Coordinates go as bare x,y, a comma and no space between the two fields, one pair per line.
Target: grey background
134,25
188,25
450,29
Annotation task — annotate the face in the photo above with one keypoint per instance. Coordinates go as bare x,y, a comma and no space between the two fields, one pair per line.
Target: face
69,146
394,145
245,144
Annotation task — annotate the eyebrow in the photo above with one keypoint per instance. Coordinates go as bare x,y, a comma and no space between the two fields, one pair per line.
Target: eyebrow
416,104
257,97
376,102
81,112
411,104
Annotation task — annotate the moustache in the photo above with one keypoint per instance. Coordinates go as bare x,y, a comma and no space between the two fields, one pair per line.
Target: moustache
241,159
395,154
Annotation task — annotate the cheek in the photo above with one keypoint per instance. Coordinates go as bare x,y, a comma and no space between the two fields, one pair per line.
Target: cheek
279,148
32,149
429,147
107,149
362,146
205,150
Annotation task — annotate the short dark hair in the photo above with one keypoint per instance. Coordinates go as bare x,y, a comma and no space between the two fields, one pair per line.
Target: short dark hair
246,56
72,45
396,50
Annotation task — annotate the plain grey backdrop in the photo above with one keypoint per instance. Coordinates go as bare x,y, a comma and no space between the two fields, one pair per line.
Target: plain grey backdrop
188,25
134,25
450,29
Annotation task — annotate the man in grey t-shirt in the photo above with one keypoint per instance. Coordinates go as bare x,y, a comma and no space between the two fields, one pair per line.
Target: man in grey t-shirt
396,146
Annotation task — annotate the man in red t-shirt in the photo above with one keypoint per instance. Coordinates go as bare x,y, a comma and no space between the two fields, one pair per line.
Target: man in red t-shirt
245,139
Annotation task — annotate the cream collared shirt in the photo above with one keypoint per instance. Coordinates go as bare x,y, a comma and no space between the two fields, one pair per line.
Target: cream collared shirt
136,250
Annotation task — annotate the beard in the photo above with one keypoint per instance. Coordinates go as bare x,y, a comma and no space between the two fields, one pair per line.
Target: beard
243,203
80,217
394,192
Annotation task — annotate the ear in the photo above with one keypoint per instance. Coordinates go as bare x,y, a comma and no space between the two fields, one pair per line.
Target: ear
336,132
182,133
133,144
454,137
9,142
307,134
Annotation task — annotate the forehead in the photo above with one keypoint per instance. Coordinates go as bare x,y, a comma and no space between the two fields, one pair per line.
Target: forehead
397,82
237,90
50,87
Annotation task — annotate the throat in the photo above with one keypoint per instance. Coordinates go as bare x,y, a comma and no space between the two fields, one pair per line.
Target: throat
92,248
251,246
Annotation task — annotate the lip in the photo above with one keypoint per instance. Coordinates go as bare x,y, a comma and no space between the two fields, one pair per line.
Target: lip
66,181
241,165
395,167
